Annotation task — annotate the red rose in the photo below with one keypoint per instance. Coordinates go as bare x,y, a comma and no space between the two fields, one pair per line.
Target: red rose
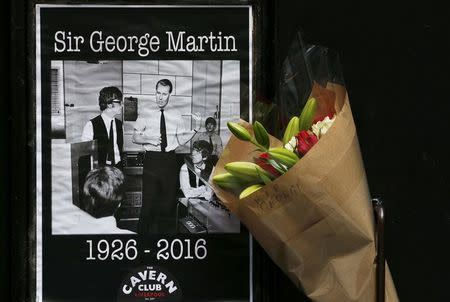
263,161
305,141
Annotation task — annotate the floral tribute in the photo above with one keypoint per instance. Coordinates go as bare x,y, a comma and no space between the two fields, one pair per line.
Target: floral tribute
300,135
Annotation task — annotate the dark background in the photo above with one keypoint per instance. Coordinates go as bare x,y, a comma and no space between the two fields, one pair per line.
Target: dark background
396,62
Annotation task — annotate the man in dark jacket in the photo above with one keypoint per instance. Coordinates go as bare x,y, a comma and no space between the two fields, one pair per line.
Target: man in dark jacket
190,183
107,129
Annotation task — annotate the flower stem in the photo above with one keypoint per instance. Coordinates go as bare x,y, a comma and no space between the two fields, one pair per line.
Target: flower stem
261,147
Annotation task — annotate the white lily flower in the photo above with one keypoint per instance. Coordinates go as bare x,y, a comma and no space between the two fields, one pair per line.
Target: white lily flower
320,128
291,144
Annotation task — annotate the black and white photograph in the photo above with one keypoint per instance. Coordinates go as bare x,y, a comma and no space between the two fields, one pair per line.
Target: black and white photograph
132,107
134,144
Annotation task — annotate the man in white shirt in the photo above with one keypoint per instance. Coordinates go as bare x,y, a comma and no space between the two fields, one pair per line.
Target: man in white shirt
159,132
106,129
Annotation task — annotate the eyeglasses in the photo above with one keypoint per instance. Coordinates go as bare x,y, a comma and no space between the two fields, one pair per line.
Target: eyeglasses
117,102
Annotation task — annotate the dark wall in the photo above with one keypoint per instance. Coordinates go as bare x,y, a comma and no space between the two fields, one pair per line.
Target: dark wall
395,63
4,167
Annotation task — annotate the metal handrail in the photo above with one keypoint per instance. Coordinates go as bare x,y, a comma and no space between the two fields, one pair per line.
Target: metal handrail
379,243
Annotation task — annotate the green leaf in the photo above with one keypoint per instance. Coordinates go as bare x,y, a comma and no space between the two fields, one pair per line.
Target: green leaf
277,166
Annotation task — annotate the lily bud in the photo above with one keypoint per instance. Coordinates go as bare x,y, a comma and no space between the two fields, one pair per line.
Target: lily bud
247,171
250,190
228,181
291,129
307,115
284,156
284,152
239,131
261,135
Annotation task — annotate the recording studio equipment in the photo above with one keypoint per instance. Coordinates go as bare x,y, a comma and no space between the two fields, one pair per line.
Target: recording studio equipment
128,213
72,168
205,216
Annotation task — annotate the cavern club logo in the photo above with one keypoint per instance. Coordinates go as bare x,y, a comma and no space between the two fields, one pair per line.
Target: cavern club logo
149,283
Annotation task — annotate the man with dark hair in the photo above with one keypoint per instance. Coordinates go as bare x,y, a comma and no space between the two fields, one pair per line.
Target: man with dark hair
190,183
107,129
203,147
103,191
160,133
212,137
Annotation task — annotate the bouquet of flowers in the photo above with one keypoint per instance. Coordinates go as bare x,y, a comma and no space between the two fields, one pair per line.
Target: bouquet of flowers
305,198
301,134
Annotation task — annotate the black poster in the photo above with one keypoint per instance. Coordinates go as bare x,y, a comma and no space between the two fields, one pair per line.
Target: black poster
132,105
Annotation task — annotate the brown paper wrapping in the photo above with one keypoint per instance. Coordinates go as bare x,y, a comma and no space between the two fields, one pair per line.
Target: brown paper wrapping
316,221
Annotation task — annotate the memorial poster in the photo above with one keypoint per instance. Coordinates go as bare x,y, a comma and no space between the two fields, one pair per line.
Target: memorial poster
132,104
